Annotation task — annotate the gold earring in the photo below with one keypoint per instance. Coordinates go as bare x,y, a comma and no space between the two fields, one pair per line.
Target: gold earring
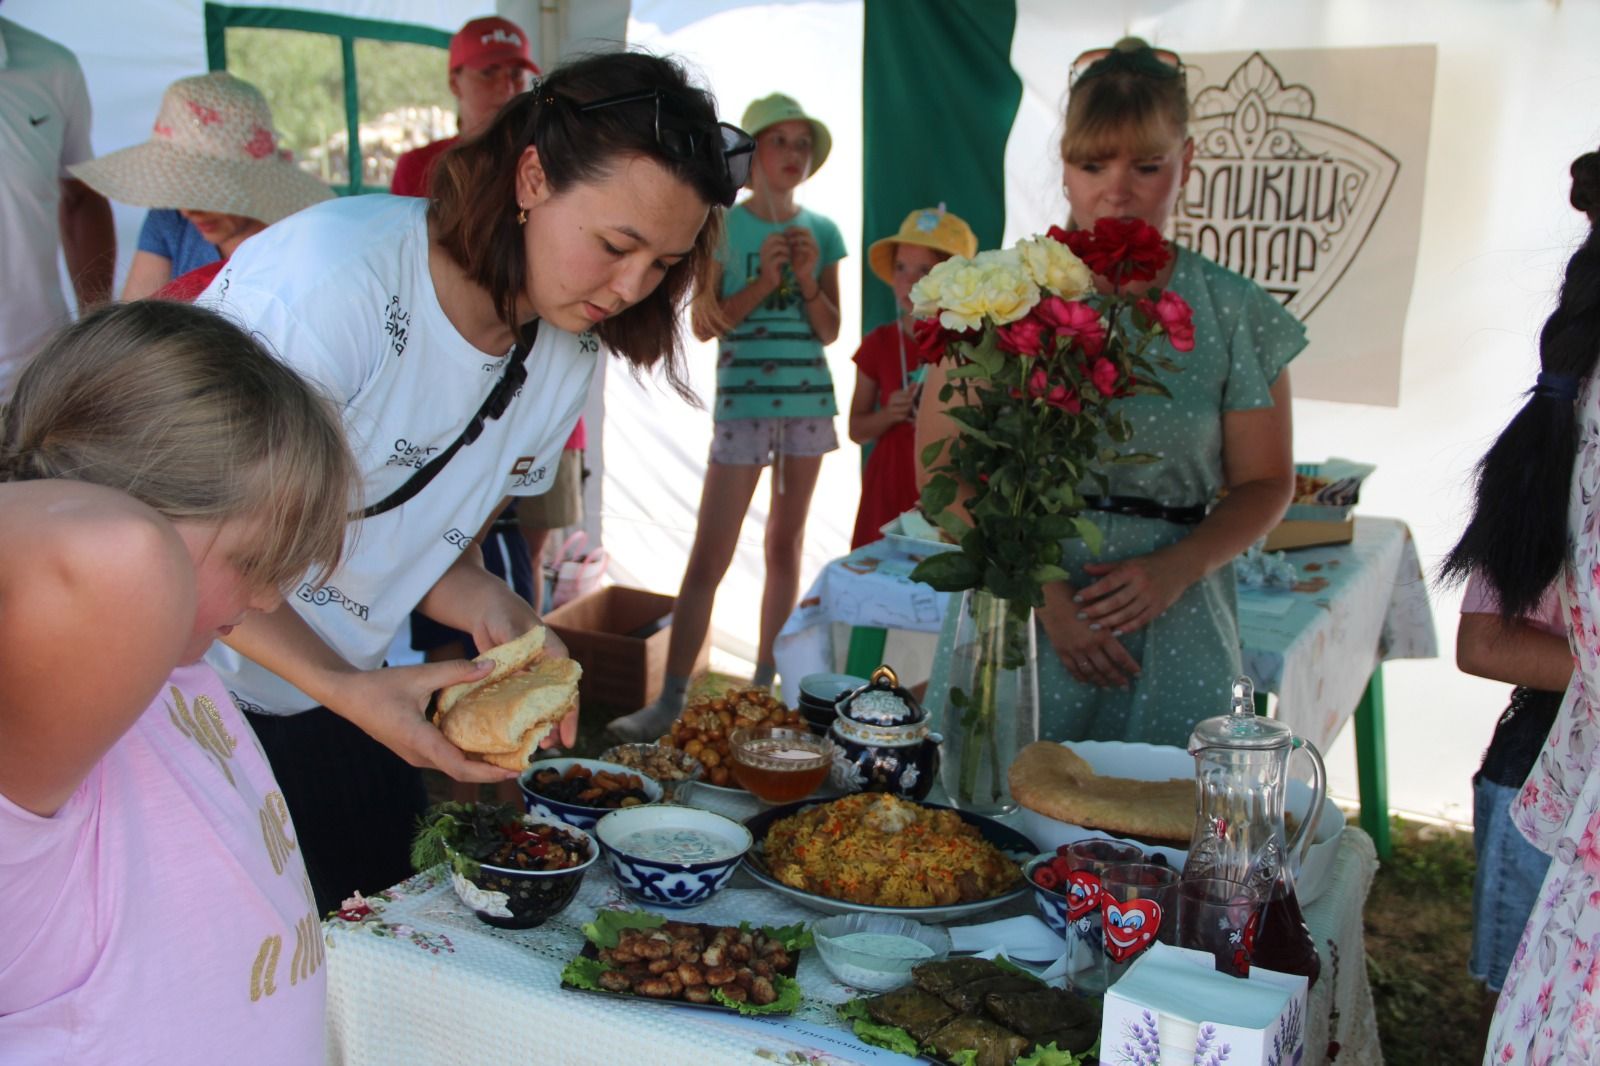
522,215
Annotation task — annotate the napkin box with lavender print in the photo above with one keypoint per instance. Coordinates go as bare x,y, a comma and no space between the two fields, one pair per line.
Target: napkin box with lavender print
1172,1006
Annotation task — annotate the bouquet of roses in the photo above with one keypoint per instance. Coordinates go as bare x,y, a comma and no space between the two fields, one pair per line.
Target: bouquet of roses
1037,356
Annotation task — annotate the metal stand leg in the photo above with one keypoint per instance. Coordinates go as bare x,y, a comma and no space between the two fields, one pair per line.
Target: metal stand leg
1372,763
866,650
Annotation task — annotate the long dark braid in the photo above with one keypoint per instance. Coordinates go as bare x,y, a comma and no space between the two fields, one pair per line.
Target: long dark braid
1517,538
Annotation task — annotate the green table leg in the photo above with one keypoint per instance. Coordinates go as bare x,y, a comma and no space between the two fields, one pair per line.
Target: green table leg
866,650
1372,763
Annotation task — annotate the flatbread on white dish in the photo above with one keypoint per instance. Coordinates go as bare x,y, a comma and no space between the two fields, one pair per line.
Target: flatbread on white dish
1057,782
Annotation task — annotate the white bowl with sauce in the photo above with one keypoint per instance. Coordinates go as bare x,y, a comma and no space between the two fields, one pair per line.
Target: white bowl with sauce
671,856
876,952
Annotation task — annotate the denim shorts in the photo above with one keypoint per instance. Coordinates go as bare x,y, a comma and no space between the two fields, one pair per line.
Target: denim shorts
1510,873
758,441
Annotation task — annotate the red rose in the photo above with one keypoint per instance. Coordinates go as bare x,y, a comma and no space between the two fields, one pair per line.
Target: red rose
1025,337
1056,233
1104,376
929,339
1074,320
1174,316
1057,395
1122,250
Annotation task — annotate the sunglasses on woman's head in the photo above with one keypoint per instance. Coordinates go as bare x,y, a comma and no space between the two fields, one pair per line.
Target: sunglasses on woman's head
694,140
1152,62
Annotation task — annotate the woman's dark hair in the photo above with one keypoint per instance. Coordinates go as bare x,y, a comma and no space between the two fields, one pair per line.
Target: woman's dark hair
475,199
1517,539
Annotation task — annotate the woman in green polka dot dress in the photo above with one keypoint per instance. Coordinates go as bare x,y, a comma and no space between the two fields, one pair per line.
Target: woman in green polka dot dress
1146,634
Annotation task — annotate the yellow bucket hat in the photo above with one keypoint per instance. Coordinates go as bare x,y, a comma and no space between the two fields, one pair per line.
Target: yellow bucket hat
771,110
930,227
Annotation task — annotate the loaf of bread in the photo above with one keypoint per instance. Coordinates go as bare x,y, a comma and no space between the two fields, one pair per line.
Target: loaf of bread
1057,782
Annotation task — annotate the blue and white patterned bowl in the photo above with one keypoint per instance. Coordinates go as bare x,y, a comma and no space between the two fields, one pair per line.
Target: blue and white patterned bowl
573,813
1051,903
710,847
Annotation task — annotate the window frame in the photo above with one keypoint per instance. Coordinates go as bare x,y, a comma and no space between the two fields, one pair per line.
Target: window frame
347,28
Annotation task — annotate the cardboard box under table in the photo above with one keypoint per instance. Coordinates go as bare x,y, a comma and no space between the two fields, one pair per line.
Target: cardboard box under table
617,635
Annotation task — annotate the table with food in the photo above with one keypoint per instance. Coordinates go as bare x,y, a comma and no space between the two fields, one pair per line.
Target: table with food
1318,640
816,903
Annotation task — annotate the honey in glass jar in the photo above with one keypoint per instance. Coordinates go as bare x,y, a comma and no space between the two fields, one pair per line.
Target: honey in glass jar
779,765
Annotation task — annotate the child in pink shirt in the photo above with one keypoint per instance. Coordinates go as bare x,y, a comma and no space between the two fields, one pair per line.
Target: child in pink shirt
160,476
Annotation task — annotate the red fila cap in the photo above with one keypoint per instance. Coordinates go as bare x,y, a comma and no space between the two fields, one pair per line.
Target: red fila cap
487,41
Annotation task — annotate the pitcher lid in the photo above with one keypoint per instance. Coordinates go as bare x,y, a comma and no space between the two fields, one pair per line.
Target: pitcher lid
882,702
1242,727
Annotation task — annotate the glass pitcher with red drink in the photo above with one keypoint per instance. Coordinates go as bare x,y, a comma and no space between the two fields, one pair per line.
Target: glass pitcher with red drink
1241,779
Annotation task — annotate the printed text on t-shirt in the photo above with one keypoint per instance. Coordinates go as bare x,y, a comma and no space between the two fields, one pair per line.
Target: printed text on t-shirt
407,454
330,594
397,325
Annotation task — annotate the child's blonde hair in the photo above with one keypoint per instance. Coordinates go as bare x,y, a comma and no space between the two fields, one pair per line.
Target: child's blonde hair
184,411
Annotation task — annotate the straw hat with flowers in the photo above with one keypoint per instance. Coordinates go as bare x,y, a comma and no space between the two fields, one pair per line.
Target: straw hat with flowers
212,149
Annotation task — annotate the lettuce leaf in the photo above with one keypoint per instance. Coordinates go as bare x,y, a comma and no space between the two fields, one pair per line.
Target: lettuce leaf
890,1037
607,925
789,998
793,937
584,972
964,1057
1050,1055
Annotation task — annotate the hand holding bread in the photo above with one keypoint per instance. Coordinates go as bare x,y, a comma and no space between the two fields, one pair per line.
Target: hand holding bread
501,717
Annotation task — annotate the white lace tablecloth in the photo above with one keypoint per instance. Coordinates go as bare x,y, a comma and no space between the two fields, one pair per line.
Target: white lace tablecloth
1339,1010
418,980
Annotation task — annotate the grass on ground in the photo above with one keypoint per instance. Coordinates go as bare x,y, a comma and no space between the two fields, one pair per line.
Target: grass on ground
1419,934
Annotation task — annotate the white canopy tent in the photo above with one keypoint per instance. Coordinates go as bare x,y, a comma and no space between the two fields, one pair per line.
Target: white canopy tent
1514,92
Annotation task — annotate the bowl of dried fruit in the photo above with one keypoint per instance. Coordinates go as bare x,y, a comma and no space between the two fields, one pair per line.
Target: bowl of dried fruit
512,869
703,729
580,791
671,768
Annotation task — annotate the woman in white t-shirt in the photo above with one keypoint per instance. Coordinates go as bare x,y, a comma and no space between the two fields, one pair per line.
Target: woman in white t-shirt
582,216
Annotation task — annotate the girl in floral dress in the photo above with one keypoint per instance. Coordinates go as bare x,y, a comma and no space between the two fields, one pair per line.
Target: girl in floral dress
1546,463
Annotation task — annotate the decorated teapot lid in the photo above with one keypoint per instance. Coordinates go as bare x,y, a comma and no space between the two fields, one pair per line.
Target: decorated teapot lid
882,702
1242,727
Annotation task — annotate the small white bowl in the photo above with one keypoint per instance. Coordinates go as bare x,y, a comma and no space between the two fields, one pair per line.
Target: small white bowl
871,970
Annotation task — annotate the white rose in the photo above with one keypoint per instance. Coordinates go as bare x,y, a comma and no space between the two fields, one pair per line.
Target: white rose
962,297
1006,290
927,293
1052,266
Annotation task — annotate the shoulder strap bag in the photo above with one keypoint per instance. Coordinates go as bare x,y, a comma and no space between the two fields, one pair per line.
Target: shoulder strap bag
494,405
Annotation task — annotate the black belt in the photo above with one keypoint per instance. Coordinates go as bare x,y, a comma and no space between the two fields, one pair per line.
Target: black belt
1139,507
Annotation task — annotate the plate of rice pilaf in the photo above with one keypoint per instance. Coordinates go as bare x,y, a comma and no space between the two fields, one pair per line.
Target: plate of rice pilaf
876,853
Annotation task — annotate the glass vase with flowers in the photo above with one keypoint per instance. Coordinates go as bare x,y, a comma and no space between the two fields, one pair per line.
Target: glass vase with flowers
1035,357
